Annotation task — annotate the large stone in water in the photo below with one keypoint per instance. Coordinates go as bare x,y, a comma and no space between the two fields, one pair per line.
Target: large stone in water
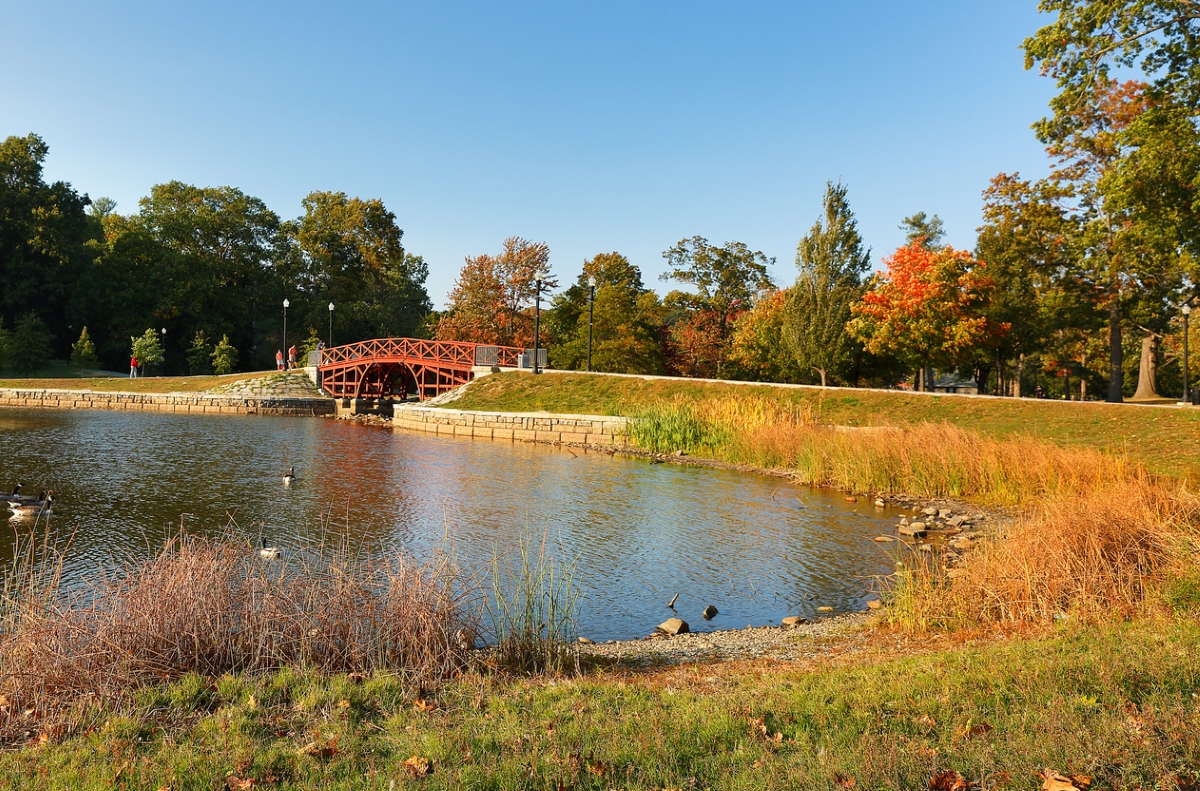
709,612
674,626
916,529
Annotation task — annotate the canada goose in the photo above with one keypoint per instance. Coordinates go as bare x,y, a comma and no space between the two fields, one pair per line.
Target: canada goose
36,508
16,494
290,476
270,553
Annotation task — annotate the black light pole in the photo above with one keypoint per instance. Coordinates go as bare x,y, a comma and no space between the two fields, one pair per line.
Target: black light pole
162,368
1186,310
537,315
285,346
331,325
591,304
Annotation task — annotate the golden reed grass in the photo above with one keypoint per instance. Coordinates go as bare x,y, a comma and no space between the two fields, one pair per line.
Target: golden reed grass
1119,551
1093,534
212,606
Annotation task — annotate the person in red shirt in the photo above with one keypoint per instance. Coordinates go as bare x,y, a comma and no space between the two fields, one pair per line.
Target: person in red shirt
133,366
279,359
292,357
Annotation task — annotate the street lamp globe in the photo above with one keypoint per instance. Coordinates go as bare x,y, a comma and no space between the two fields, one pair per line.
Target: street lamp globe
1186,310
286,304
592,281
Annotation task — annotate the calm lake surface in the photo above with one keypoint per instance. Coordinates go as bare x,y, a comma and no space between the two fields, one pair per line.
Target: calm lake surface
755,547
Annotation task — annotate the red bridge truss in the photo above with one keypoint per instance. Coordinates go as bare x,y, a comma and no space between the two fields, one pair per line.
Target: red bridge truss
391,366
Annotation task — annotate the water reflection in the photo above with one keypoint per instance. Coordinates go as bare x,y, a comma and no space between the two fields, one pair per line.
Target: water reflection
757,548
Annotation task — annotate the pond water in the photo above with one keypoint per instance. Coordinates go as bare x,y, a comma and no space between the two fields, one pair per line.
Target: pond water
755,547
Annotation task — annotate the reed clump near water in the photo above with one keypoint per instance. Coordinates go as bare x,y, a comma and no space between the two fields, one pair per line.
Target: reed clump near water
1093,535
213,606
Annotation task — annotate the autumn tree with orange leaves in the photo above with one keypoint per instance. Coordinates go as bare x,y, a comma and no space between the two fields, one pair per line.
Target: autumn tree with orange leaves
927,309
491,300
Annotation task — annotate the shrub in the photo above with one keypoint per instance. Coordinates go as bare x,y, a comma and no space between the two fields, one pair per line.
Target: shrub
83,351
148,348
29,349
224,357
199,355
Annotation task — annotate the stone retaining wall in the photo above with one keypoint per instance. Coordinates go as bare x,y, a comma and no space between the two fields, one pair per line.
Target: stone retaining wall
516,426
185,403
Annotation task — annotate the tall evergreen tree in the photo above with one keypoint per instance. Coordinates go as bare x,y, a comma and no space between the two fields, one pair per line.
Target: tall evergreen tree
832,263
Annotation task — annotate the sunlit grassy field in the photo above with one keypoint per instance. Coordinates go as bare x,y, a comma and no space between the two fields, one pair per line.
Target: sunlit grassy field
145,384
1119,705
1164,439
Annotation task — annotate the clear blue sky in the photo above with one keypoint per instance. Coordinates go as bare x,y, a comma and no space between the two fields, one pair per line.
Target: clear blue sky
591,126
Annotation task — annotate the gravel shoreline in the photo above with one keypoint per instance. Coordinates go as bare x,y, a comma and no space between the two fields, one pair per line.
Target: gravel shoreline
782,643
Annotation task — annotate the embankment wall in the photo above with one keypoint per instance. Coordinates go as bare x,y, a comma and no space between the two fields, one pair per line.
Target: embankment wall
185,403
516,426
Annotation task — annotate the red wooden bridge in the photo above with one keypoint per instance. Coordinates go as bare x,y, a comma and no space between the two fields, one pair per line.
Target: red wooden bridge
391,366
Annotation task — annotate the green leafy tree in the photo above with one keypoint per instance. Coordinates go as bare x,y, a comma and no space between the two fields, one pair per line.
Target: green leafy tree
199,355
46,242
759,350
832,263
147,348
216,249
1028,240
224,357
626,319
309,344
726,280
30,345
350,251
83,351
929,231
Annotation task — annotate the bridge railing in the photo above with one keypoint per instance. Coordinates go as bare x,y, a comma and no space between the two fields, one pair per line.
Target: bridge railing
453,353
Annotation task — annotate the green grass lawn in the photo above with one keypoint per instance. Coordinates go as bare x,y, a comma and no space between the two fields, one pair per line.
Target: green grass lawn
1167,440
146,384
1120,705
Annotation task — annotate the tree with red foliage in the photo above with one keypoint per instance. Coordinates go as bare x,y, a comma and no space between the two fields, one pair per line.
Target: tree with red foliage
927,308
490,300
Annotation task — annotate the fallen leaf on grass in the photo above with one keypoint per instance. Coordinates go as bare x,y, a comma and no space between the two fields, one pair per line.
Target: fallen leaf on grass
235,783
1053,781
418,766
950,780
343,704
925,721
842,781
596,767
356,678
317,751
424,705
970,731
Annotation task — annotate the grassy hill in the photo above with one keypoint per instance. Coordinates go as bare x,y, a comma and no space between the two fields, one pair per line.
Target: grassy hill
1165,439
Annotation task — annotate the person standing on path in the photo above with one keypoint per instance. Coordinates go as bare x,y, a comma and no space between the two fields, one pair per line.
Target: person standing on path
292,357
133,366
279,359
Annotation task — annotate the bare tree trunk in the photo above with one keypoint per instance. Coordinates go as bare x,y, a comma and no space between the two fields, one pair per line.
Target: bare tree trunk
1148,368
821,371
1116,373
982,374
1017,379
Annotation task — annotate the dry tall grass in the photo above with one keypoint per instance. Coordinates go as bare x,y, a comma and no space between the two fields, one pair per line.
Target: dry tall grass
214,606
932,460
1120,551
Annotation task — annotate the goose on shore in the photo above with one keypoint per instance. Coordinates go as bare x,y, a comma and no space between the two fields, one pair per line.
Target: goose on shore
34,508
270,553
289,477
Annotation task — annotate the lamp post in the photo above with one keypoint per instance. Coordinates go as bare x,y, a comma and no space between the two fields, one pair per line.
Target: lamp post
1186,310
285,346
331,325
162,366
537,314
591,305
